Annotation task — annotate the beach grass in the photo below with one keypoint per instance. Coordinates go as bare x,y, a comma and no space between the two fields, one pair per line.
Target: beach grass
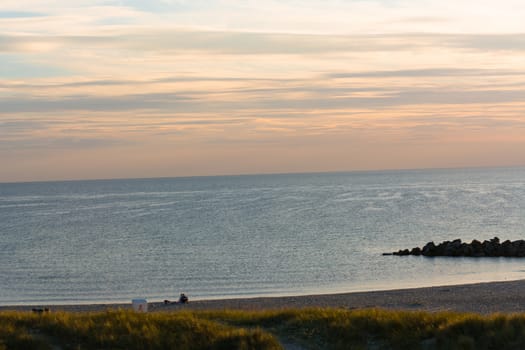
328,328
319,328
126,330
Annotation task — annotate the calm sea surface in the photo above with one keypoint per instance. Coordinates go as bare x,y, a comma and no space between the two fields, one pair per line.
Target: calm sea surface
221,237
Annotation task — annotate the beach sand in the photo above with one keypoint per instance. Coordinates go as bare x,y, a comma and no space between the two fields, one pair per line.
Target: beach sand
483,298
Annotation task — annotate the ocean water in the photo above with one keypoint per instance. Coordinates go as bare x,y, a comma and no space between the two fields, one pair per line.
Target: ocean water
242,236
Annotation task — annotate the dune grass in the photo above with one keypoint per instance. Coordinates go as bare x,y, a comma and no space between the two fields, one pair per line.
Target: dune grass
126,330
309,328
382,329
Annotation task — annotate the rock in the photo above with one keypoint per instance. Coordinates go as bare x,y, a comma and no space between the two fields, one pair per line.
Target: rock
429,249
415,251
509,250
490,248
467,250
402,252
477,248
452,248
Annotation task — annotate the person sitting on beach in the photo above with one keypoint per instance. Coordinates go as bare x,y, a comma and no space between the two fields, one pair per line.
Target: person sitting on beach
183,299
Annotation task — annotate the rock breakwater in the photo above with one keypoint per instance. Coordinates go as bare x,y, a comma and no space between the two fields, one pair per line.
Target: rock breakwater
490,248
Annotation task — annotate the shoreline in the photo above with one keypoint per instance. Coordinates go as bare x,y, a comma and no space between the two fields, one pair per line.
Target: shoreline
482,298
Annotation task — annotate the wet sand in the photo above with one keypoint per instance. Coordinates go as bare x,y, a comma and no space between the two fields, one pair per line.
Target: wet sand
483,298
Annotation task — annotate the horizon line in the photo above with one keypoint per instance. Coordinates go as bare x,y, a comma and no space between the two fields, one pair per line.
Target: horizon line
269,174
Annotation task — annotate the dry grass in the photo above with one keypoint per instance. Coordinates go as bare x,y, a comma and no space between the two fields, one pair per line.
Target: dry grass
321,328
125,330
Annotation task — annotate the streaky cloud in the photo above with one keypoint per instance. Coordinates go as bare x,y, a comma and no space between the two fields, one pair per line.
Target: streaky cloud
168,42
92,103
20,14
61,142
319,99
428,72
493,42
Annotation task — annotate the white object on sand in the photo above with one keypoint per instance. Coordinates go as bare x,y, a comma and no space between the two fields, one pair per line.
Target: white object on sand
140,305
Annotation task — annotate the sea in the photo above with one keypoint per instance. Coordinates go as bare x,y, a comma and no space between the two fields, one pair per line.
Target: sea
101,241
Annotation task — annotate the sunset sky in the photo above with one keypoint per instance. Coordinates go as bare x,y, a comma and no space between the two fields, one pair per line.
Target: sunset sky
135,88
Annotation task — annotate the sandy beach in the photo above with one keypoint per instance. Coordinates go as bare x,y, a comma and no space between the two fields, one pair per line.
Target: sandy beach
483,298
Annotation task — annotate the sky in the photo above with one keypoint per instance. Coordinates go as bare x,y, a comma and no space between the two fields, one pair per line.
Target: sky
94,89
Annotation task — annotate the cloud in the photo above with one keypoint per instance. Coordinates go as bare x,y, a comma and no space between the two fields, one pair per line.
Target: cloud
19,14
92,103
59,143
244,43
14,66
331,17
428,72
421,20
329,91
199,41
494,42
163,6
132,77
